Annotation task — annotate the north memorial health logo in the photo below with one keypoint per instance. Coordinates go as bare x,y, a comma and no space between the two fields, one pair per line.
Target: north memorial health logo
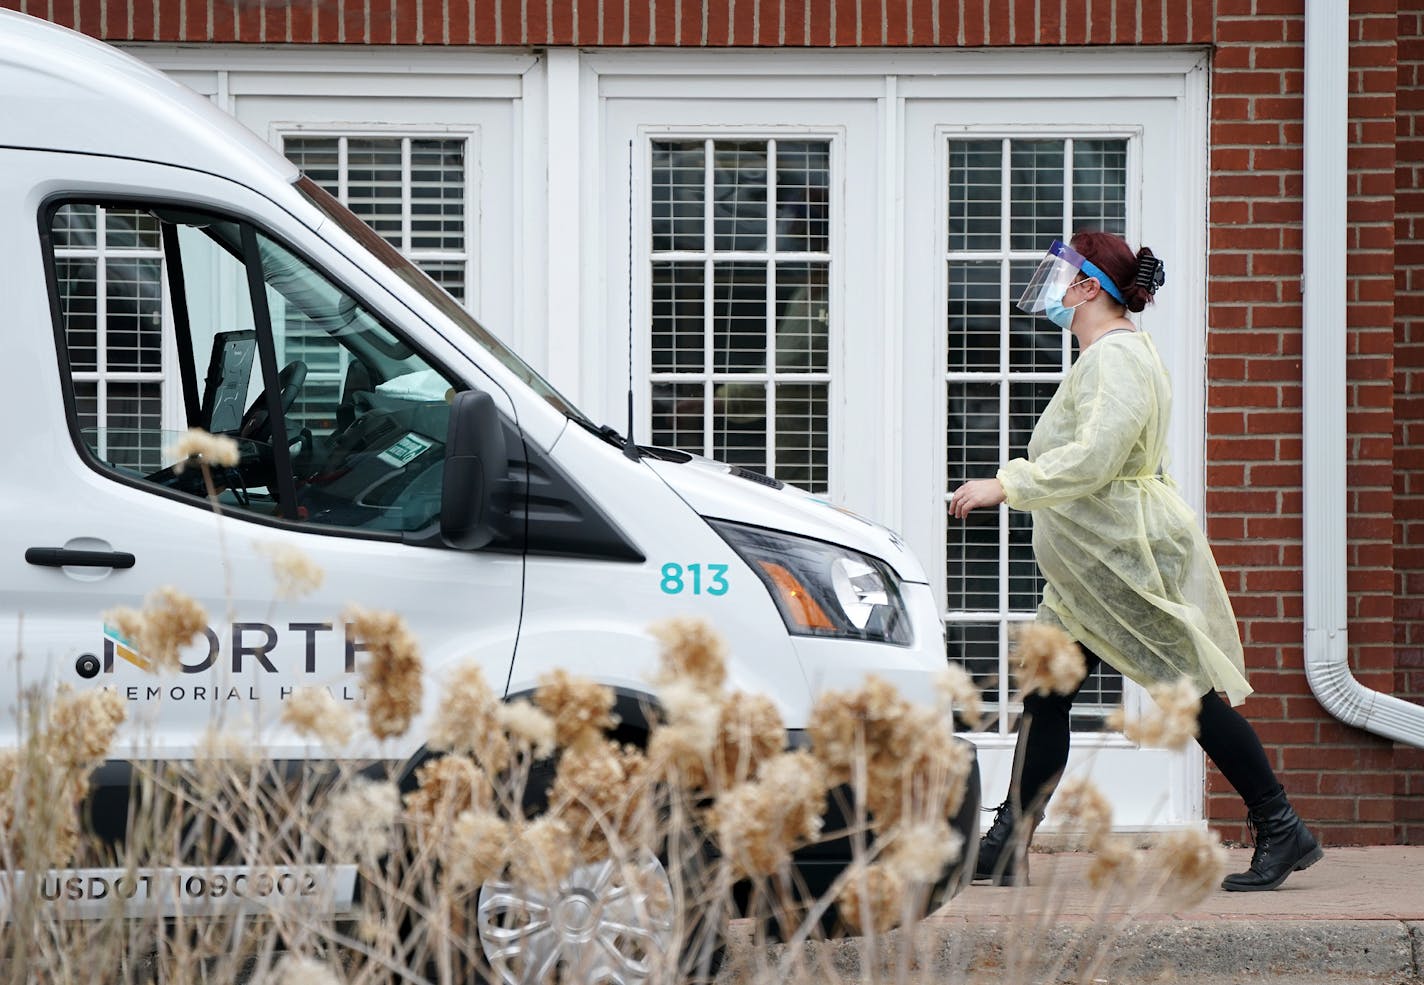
298,654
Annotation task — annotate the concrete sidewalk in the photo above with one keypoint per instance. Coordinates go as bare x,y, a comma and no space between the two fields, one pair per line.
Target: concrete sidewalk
1357,915
1354,918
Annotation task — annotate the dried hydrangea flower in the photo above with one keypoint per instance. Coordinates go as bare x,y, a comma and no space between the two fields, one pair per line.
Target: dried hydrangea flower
958,692
1191,862
168,622
1048,660
920,852
542,854
528,725
913,766
872,899
476,850
391,672
292,970
599,792
1081,805
296,574
692,652
466,720
446,786
82,726
582,710
211,449
360,818
1171,723
1114,864
314,713
749,732
760,823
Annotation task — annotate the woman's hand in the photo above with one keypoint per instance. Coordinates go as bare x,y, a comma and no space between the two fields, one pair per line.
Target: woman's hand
974,494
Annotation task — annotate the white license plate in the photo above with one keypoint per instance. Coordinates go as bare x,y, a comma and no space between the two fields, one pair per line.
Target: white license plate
87,894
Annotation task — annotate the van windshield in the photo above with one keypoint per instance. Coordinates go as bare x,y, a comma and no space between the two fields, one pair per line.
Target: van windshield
436,295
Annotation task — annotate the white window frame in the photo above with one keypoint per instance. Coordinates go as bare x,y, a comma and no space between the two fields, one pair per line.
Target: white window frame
644,257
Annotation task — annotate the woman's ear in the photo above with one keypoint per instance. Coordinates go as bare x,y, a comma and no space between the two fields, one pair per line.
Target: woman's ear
1092,287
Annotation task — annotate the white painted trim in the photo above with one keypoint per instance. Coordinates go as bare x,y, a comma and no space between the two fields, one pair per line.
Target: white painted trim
875,63
892,251
317,59
564,219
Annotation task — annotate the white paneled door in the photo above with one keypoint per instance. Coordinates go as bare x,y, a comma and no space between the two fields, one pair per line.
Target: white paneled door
994,181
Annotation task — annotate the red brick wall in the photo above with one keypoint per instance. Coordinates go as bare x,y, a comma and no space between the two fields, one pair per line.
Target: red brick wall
1340,778
1354,787
818,23
1409,410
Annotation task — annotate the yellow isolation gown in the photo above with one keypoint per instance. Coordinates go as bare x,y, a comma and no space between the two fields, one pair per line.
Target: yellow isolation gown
1130,574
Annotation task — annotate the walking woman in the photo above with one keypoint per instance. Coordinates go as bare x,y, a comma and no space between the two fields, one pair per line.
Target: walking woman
1129,574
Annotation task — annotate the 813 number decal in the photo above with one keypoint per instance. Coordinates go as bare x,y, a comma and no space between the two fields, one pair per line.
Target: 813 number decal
679,578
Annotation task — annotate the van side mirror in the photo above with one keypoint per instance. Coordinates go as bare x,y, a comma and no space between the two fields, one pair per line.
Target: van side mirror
476,467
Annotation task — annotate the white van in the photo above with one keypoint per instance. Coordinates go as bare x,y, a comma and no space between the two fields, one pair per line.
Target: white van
384,433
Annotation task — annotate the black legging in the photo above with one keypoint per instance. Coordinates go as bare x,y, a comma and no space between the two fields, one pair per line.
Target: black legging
1228,739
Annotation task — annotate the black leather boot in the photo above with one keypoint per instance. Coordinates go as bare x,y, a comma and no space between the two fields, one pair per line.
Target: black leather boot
998,859
1283,846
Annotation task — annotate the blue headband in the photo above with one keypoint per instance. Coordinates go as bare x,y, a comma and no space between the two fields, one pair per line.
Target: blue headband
1093,270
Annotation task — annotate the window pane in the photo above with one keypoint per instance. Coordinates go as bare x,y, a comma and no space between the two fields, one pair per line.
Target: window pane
1100,185
802,427
678,199
739,317
318,157
976,646
677,415
1026,404
802,318
75,226
973,316
133,314
739,196
374,186
1035,343
972,452
449,274
437,194
127,229
975,194
678,317
133,422
1035,193
79,310
803,219
739,429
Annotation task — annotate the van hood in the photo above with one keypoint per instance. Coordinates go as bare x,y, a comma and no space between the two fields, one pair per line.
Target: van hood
722,492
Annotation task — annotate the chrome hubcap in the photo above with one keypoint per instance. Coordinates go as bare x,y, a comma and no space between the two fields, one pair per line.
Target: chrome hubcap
607,923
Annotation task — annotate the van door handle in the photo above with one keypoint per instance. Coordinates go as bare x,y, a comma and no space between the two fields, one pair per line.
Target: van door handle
63,557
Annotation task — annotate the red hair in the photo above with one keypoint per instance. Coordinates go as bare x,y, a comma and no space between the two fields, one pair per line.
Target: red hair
1115,258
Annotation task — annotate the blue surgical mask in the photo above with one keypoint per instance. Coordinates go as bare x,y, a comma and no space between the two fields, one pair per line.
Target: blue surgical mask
1056,311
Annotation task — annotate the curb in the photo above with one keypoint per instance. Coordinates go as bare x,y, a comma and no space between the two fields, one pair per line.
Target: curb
1383,951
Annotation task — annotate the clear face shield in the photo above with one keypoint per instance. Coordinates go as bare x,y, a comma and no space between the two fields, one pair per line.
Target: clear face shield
1060,267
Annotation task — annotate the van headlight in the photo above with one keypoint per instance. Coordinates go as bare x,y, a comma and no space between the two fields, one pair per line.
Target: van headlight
823,589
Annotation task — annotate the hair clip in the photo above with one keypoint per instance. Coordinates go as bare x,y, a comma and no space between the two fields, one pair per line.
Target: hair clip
1151,274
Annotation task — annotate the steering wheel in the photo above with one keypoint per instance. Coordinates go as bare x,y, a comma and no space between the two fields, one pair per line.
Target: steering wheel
256,424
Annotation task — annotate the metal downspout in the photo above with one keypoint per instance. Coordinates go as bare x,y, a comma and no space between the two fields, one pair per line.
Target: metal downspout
1325,510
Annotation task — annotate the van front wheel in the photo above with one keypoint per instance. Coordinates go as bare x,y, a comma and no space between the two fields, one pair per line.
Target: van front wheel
606,922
